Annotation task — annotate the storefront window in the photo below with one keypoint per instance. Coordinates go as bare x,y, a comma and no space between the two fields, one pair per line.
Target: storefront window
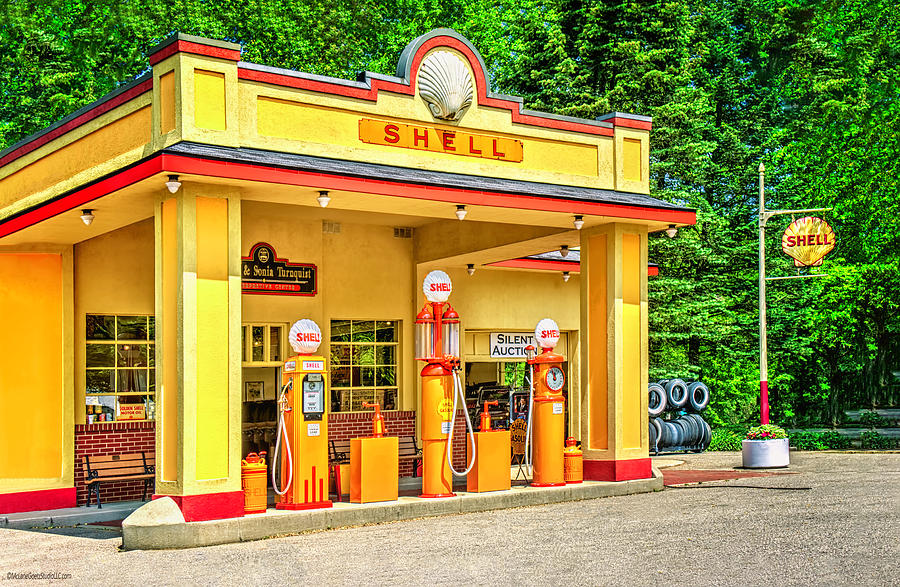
363,364
119,368
261,344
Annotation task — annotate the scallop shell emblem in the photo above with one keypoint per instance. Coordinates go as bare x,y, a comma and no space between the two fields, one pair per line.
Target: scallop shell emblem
807,240
446,85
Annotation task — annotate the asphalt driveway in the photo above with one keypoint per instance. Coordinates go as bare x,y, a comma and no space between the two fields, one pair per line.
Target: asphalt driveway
836,521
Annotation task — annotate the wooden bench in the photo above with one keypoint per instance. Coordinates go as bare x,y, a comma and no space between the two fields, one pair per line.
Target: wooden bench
339,454
134,466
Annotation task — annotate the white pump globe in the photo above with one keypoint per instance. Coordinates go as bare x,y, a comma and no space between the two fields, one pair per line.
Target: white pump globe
437,287
305,337
546,333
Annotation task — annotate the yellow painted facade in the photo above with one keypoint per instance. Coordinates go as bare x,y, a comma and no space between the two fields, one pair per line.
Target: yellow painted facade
199,284
36,395
614,314
178,256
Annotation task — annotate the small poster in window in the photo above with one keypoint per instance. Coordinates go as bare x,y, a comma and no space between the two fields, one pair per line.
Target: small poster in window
253,391
132,412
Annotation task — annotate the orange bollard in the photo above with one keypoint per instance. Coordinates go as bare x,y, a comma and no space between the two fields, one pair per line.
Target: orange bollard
253,482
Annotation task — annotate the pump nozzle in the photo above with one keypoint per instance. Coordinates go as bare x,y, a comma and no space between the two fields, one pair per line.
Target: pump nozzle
486,416
378,428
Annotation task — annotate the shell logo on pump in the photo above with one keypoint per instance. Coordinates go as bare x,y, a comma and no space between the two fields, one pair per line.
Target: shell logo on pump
546,333
305,337
437,287
807,240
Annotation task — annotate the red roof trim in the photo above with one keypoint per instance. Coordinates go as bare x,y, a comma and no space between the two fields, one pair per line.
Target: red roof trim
315,180
81,197
377,85
631,123
541,264
318,180
550,265
91,114
194,49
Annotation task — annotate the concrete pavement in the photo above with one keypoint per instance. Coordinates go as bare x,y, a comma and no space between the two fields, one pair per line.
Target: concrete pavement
835,522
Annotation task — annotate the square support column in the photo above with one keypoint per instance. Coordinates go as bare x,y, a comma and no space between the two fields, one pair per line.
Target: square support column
198,333
614,352
37,435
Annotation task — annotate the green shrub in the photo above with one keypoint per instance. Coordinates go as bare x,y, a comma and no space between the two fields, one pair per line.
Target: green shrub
871,440
871,419
723,439
808,440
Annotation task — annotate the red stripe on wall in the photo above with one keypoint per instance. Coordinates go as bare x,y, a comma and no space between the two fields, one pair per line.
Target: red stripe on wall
32,501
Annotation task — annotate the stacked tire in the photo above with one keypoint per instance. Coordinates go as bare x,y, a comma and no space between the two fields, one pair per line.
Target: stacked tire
675,421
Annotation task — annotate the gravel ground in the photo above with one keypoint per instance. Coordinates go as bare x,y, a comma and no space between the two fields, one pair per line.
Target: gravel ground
837,521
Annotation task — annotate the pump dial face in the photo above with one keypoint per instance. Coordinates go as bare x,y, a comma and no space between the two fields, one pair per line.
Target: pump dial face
555,379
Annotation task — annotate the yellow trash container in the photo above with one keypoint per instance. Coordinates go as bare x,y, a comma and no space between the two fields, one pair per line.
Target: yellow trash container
253,482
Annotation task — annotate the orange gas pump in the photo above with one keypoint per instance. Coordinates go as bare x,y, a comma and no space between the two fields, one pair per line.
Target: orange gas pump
548,408
303,424
437,344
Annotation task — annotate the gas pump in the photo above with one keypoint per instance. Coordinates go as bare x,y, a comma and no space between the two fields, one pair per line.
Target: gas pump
303,424
437,344
548,407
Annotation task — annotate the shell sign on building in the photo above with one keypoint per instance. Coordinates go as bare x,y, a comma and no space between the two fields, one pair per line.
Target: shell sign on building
807,240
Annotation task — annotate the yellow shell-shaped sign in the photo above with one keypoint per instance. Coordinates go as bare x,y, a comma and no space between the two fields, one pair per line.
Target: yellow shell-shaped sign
807,240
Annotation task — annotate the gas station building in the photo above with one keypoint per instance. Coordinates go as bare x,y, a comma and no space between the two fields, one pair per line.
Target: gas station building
155,247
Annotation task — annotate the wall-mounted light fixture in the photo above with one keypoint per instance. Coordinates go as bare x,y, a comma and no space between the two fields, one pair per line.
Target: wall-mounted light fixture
566,276
578,222
87,216
564,251
173,184
461,211
671,231
470,268
323,199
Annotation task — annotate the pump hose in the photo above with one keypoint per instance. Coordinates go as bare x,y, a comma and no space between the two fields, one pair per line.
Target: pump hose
457,392
282,431
528,451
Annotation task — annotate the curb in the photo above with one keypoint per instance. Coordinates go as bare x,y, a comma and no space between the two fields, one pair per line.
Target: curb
281,522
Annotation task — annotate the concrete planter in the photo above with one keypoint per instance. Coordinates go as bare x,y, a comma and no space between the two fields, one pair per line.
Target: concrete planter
764,454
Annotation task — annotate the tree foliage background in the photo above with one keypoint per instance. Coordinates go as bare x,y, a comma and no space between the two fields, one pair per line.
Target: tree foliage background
809,88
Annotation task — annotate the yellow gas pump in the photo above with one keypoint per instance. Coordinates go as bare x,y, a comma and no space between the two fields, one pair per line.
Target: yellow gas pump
548,408
303,424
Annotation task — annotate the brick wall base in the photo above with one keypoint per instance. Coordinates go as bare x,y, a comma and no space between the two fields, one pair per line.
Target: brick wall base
123,437
344,426
107,439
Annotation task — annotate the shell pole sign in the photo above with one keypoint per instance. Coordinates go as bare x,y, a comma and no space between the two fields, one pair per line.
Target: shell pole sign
807,240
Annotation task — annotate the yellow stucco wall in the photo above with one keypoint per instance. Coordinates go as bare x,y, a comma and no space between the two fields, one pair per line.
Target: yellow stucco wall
113,275
36,431
98,147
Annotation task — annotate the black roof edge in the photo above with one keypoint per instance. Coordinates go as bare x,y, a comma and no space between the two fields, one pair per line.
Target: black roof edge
282,160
